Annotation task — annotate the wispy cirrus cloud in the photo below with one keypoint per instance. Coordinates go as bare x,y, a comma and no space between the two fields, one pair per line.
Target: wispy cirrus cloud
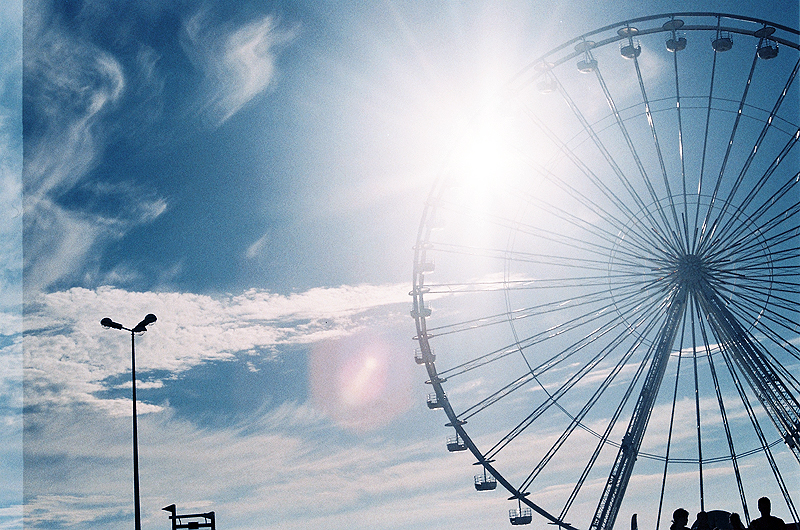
11,497
74,88
74,84
237,62
288,469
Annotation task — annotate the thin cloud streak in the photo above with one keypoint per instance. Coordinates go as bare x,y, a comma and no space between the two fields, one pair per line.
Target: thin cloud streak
238,63
11,481
271,474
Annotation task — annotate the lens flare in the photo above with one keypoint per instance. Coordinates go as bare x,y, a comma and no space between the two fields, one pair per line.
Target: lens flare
362,382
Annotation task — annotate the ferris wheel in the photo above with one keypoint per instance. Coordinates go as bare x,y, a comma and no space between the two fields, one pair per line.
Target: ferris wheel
606,284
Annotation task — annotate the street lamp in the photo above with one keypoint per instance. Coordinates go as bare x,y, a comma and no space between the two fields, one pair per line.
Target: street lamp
139,328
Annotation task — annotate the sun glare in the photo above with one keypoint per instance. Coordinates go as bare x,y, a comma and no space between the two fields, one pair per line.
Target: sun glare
482,156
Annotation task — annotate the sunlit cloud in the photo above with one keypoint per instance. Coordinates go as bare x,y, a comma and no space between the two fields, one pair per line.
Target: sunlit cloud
238,62
68,354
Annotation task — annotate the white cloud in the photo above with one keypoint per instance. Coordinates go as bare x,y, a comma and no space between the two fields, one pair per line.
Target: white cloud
273,475
238,62
68,354
284,465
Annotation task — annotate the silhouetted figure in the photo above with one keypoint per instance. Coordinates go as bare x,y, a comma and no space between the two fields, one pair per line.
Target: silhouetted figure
680,518
720,520
736,522
766,521
702,522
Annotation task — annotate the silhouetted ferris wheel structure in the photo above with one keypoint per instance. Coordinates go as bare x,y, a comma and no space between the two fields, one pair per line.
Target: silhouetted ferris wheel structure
606,277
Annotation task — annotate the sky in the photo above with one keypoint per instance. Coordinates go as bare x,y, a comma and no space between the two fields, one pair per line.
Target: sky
254,174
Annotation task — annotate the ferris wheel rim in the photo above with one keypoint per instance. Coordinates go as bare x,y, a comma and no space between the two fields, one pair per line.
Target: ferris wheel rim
421,249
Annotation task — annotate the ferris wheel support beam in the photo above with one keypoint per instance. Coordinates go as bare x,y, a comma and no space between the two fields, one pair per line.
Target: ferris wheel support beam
610,501
780,405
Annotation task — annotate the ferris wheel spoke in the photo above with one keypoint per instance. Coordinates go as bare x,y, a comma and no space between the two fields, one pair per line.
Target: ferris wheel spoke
777,273
747,249
563,260
703,233
757,145
591,315
657,144
657,231
586,300
553,399
645,242
576,420
537,371
617,483
732,229
681,154
755,314
509,285
671,427
496,396
605,437
752,304
669,230
774,201
781,406
533,284
735,238
609,158
586,244
698,423
788,377
784,323
595,230
728,357
722,410
647,321
775,365
703,157
779,340
783,344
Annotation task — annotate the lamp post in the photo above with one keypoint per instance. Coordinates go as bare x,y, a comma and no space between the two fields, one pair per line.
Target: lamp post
139,328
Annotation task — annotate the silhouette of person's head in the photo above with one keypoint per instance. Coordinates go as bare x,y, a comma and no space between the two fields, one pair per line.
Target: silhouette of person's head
764,506
680,517
736,521
702,521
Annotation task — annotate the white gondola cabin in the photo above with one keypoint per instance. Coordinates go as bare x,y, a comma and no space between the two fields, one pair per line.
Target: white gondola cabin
520,516
455,443
421,357
433,401
485,482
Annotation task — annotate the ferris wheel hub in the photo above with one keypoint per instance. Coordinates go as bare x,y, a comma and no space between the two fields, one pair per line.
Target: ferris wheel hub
691,270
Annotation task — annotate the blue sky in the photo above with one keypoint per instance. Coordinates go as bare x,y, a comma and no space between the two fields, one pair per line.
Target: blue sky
254,174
